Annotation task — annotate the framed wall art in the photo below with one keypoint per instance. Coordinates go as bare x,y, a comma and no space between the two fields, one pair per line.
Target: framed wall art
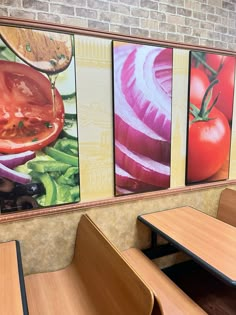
90,118
39,164
210,112
142,80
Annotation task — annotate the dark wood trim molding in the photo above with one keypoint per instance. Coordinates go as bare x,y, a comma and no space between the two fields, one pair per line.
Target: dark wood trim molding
96,33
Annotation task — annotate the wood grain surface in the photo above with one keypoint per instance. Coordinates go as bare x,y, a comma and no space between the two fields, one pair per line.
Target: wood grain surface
97,282
172,299
10,293
227,209
209,241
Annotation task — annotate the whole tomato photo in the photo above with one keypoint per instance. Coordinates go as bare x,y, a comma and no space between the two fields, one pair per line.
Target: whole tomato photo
208,145
31,113
209,131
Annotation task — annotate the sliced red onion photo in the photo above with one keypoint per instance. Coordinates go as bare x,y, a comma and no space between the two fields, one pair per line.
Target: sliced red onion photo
13,160
14,175
132,132
146,79
142,167
124,179
142,78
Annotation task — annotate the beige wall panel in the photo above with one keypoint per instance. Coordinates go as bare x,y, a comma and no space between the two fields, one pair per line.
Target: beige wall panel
94,95
179,117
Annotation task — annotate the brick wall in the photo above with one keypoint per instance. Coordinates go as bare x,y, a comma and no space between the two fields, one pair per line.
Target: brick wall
202,22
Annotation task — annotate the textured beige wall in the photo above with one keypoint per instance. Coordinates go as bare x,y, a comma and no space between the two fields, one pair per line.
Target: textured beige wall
47,242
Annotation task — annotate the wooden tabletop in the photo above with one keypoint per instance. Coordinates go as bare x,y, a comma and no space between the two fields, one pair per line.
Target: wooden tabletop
209,241
12,294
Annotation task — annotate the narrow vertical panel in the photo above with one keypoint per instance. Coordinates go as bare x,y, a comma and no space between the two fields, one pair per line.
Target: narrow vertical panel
142,122
94,92
38,132
210,108
232,165
179,117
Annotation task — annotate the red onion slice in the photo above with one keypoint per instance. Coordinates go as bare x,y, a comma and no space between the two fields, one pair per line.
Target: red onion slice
130,129
146,82
123,191
136,137
130,183
13,175
142,167
13,160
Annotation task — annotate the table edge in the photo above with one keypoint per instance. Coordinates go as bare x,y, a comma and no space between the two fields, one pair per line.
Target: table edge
21,279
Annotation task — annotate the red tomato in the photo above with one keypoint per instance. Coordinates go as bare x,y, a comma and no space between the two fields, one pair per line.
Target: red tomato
199,83
225,88
27,118
215,61
208,146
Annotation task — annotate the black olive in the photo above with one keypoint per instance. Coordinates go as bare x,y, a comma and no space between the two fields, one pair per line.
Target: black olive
6,185
30,189
7,205
26,202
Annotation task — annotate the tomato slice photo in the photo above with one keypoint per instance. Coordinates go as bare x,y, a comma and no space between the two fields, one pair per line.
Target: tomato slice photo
31,112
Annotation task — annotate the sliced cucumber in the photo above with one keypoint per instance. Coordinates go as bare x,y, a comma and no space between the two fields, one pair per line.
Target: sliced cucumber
65,82
70,129
68,96
70,107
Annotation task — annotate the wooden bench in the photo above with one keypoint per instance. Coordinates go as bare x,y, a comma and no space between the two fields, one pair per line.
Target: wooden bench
12,289
99,281
172,299
227,206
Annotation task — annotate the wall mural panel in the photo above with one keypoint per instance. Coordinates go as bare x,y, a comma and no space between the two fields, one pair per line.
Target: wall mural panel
38,120
211,96
142,117
90,117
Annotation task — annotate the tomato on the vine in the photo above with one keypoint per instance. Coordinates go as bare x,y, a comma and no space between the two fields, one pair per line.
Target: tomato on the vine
225,87
199,83
215,61
208,137
29,119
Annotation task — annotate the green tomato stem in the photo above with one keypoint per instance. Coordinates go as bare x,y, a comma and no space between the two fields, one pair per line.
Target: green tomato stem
202,61
206,99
